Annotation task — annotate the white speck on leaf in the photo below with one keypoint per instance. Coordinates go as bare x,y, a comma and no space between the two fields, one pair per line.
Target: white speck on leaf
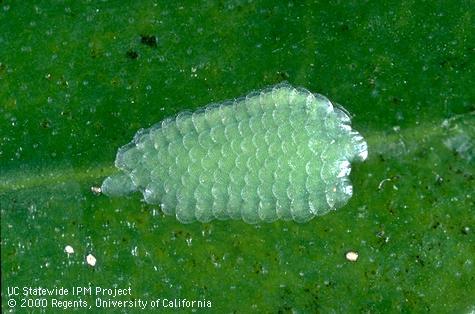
68,249
351,256
91,260
96,189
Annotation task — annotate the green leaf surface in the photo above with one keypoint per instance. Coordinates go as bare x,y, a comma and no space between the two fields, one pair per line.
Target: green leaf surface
79,78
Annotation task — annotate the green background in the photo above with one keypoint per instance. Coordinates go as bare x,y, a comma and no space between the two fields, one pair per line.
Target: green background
79,78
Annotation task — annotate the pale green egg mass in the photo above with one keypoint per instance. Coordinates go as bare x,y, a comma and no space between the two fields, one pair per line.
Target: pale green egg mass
280,153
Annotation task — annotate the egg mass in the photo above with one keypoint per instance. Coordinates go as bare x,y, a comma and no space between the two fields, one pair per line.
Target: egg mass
280,153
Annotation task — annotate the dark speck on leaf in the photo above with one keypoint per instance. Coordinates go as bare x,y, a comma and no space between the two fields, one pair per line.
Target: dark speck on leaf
344,28
282,75
149,40
46,124
131,54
